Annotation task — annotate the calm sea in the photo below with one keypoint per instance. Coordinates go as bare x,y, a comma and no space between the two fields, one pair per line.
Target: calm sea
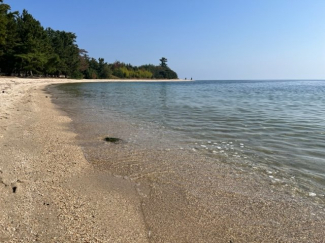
275,129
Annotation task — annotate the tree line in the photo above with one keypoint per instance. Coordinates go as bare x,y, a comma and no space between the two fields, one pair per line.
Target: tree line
29,49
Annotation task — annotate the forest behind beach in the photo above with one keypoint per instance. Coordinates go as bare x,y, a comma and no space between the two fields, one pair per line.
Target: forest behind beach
29,49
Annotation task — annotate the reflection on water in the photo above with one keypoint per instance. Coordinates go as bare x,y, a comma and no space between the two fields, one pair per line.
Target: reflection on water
274,128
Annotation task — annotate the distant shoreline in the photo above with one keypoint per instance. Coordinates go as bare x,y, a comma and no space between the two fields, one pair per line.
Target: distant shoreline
62,80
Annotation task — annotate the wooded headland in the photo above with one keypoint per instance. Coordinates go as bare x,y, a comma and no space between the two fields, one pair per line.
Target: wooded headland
29,49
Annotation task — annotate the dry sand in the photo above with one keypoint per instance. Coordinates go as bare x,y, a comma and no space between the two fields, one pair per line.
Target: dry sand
51,193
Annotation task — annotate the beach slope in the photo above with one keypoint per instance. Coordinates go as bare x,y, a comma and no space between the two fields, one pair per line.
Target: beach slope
49,192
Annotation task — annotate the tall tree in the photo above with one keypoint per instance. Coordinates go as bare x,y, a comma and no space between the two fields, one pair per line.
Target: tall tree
33,50
103,69
9,39
83,60
4,8
163,62
63,44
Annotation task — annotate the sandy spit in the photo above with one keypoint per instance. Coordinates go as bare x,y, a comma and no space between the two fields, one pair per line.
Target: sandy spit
49,192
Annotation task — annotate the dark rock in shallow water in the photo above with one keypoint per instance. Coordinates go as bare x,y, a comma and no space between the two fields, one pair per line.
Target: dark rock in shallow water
112,140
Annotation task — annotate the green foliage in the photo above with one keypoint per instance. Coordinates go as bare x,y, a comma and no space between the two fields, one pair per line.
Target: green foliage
9,40
77,75
105,72
4,8
160,72
26,48
8,37
32,52
163,62
63,45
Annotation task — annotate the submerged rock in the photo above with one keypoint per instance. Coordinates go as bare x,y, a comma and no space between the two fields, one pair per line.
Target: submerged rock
112,140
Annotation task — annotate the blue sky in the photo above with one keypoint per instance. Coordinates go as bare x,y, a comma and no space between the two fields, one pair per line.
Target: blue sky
203,39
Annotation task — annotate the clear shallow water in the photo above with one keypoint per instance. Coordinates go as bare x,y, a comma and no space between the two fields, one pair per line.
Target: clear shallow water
273,128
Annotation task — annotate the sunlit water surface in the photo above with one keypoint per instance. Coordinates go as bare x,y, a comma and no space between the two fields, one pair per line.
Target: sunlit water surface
273,128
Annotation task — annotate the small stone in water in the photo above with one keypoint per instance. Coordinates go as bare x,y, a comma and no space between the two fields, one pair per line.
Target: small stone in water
112,140
312,194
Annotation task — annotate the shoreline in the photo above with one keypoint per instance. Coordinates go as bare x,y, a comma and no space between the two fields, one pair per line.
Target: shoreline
49,190
52,193
67,80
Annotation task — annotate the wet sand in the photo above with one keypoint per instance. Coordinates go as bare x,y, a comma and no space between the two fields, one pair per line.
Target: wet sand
125,192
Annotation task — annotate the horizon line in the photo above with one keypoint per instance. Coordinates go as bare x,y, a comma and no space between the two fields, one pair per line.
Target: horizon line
260,79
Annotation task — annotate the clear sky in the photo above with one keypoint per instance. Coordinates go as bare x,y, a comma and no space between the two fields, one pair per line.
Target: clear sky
203,39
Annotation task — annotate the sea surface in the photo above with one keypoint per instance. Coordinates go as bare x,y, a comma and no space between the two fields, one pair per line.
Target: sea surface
274,130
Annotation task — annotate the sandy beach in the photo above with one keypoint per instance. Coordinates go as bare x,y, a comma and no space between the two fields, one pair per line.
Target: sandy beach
42,196
51,193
